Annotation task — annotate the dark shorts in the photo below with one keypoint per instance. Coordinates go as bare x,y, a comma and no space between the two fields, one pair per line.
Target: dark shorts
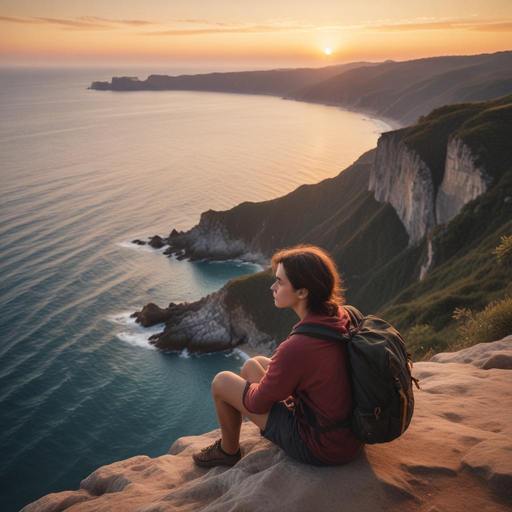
283,430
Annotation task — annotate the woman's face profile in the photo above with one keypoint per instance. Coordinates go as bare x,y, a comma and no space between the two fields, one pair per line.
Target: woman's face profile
285,296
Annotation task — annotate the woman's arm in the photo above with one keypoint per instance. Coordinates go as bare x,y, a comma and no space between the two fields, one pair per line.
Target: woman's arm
278,382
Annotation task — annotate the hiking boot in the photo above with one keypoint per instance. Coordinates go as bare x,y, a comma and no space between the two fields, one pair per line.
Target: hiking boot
214,455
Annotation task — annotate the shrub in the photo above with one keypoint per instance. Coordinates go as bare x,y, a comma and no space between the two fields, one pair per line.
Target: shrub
504,251
491,324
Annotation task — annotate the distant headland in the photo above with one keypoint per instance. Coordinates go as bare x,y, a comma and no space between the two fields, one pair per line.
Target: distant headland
399,91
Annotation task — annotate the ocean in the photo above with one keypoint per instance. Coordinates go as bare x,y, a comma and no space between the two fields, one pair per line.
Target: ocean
83,173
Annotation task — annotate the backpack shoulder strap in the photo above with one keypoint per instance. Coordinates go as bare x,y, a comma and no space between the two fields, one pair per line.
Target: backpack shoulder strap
319,331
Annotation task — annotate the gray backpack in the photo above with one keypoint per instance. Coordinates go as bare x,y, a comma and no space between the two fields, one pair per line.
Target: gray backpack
380,372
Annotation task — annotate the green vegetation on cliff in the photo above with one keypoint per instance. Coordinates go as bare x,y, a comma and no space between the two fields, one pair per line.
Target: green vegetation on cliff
466,274
485,127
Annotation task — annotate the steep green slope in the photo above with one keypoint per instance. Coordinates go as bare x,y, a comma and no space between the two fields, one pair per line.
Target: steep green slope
467,275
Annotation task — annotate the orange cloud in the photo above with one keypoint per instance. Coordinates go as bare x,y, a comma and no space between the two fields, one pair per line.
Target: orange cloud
483,26
251,29
83,22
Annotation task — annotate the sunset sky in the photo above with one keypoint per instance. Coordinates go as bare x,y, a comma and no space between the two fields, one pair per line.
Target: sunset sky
247,34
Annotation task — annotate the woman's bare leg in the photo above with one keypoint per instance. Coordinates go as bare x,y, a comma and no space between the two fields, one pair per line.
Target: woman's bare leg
227,391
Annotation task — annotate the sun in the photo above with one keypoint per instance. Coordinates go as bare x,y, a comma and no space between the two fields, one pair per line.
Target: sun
327,51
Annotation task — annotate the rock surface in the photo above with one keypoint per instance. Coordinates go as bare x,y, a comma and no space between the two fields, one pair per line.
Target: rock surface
455,456
484,355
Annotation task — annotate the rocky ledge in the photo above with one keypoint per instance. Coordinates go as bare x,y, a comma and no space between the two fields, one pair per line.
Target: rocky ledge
456,455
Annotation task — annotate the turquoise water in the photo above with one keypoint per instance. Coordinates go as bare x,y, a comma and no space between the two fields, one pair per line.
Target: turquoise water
83,173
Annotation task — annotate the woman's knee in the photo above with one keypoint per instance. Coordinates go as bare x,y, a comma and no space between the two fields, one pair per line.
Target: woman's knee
262,361
246,367
220,381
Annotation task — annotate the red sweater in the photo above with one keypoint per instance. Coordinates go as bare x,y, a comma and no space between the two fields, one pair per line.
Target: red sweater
317,368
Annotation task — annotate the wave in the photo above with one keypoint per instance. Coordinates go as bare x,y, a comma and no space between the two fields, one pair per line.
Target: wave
137,336
140,248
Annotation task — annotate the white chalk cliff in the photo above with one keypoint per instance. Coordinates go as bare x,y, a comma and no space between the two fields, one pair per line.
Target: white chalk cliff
463,181
456,456
400,177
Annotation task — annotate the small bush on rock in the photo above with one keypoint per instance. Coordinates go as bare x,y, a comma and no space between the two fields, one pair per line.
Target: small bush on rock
491,324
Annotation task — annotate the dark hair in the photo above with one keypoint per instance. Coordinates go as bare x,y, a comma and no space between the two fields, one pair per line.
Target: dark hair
311,267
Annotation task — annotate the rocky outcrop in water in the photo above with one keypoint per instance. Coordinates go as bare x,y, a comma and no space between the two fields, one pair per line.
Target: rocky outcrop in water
456,455
211,239
208,325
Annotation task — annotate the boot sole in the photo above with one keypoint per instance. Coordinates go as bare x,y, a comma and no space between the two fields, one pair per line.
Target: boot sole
212,463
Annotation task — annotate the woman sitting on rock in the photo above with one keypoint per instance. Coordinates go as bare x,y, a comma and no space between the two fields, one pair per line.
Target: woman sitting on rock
271,392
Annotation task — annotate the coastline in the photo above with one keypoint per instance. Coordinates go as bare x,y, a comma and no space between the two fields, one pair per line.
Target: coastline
391,123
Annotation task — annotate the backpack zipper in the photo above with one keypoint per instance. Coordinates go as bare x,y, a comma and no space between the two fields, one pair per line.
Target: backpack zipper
404,398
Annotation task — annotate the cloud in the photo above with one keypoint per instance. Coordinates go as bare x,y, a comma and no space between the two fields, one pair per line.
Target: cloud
235,28
431,24
208,27
80,23
16,20
205,27
500,26
131,23
73,23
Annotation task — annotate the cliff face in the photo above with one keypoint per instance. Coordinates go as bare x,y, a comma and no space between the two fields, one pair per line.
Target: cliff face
463,181
401,178
455,455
